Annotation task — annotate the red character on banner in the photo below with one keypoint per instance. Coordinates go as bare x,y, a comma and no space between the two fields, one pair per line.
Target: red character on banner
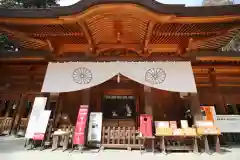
146,124
79,134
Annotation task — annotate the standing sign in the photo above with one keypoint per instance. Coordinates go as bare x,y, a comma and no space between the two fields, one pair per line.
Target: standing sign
41,125
38,106
79,135
173,124
184,124
209,113
146,124
95,128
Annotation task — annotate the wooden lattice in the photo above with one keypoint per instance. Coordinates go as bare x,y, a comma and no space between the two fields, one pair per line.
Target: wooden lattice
120,137
5,125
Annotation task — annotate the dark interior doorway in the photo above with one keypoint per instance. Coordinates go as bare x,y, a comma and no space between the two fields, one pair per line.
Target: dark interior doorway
119,107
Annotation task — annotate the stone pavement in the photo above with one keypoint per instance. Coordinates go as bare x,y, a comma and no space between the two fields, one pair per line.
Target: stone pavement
12,149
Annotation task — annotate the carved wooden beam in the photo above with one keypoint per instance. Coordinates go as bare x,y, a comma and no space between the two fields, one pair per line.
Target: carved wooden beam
163,47
117,28
51,48
74,48
225,34
145,52
24,40
88,35
70,48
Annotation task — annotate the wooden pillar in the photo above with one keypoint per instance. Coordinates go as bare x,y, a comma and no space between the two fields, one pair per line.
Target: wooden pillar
195,107
98,100
57,100
148,109
2,106
86,96
58,110
48,95
9,107
220,103
19,112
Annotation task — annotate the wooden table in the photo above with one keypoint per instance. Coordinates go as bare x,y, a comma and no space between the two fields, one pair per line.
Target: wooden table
206,143
144,138
165,148
65,136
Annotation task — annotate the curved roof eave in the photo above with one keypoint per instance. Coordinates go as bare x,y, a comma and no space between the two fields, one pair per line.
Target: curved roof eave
179,10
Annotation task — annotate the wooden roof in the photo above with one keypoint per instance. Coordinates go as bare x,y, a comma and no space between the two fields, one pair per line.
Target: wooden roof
152,5
112,29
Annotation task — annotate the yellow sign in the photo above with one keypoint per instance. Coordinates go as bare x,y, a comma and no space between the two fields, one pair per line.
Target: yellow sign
164,131
208,131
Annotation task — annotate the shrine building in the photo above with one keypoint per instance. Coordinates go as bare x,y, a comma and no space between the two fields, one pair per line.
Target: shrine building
119,57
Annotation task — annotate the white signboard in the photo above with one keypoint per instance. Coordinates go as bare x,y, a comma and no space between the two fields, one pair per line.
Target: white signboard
95,128
162,124
200,124
42,122
184,124
228,123
38,106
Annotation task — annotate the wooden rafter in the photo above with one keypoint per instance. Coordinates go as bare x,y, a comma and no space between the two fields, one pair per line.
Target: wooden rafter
145,52
23,39
87,34
51,48
117,28
225,35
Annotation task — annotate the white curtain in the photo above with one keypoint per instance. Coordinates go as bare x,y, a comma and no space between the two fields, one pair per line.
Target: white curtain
72,76
170,76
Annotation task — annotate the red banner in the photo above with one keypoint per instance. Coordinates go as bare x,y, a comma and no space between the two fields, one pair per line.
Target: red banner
79,135
38,136
146,124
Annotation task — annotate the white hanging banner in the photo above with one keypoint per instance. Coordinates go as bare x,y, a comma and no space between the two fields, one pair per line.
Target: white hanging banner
41,125
42,121
38,107
73,76
169,76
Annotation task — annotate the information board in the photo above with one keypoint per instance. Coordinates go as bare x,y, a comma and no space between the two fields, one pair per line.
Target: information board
95,128
228,123
41,125
79,134
38,106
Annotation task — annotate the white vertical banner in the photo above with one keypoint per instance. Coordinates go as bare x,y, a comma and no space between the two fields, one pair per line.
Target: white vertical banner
38,106
95,128
42,122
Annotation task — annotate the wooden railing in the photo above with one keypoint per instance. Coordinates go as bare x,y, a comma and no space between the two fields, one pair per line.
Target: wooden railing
5,125
120,137
22,127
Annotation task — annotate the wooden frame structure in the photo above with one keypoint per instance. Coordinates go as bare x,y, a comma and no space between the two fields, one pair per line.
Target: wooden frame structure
119,30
